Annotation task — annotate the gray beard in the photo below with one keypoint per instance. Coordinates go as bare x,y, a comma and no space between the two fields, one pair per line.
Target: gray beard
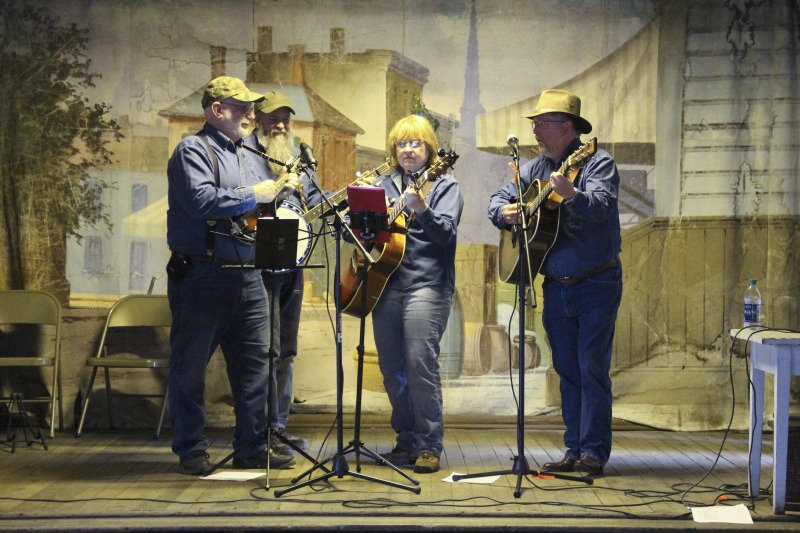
281,149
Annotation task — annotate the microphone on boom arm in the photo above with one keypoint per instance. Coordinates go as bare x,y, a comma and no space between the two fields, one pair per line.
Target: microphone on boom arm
307,155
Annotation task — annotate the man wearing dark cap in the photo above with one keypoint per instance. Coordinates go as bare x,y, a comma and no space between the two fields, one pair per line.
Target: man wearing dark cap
582,285
273,136
216,296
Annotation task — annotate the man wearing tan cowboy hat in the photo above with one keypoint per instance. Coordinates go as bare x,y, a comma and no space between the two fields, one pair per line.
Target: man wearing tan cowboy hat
582,285
216,296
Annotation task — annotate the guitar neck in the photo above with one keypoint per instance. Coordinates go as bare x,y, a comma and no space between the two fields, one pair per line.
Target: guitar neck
575,159
400,204
432,173
315,212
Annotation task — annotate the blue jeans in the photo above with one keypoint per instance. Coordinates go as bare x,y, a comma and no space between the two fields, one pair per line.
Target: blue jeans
579,321
215,306
407,327
286,289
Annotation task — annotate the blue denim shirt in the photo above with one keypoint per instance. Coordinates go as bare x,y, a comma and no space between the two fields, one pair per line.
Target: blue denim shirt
589,230
430,252
194,197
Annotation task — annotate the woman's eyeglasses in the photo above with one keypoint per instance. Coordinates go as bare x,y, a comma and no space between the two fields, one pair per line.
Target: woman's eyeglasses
412,144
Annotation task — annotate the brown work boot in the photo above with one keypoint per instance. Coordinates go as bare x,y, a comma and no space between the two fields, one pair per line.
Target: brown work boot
427,463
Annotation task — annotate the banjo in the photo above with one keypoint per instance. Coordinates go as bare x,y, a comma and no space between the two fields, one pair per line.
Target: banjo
290,210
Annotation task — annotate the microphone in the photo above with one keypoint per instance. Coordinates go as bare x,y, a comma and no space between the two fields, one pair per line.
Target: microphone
308,156
513,142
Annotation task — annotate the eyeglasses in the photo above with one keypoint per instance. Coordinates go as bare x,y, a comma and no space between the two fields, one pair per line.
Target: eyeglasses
542,124
412,144
244,109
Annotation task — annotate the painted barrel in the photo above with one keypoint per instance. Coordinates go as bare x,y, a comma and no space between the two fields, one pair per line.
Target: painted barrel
482,344
532,353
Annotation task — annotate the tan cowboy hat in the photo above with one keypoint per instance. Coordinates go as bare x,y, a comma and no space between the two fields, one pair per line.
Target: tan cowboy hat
557,101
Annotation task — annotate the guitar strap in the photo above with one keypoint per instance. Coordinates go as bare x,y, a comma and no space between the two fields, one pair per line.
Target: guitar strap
210,224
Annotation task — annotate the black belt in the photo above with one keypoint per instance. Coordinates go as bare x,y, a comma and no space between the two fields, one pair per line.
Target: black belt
568,281
212,259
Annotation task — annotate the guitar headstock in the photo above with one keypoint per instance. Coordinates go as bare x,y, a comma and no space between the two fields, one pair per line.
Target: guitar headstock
446,160
586,150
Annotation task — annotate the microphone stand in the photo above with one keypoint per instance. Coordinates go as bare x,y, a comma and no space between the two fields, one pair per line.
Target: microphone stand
340,468
520,466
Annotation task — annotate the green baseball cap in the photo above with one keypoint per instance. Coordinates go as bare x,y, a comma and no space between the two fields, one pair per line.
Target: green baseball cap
224,87
274,100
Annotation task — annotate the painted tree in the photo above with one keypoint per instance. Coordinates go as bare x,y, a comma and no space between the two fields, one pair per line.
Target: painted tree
52,142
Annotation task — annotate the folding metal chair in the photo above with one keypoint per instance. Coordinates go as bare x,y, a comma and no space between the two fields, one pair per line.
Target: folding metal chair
38,308
132,311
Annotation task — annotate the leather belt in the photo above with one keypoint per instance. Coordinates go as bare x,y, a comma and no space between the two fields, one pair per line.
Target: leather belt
569,281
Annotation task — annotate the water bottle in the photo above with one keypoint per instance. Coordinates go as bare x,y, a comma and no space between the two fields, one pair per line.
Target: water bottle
752,305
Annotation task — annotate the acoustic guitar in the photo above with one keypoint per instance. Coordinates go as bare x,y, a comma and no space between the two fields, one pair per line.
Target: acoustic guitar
387,255
542,224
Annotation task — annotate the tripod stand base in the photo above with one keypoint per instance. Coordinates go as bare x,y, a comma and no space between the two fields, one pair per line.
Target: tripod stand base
342,469
521,469
24,426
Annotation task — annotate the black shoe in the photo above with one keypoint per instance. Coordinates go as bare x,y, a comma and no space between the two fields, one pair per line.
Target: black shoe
589,465
195,464
400,457
566,464
277,460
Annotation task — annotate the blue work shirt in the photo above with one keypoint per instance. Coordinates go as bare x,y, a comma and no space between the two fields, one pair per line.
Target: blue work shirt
589,231
430,250
195,198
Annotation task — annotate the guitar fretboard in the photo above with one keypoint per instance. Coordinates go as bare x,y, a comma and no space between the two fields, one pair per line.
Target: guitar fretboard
314,213
574,159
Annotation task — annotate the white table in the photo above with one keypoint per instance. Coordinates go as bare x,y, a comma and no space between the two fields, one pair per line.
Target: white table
777,353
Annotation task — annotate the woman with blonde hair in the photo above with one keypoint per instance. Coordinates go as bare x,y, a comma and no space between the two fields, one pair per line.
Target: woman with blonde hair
411,315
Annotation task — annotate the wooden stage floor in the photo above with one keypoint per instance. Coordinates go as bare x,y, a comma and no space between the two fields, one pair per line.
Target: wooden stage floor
126,480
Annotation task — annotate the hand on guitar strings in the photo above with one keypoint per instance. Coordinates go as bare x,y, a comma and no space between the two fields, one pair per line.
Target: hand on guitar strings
414,200
268,190
511,213
562,186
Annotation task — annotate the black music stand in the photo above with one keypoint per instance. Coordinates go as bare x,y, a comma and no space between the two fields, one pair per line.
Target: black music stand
276,249
525,276
368,215
338,460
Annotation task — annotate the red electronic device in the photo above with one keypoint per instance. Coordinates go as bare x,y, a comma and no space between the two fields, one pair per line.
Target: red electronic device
369,216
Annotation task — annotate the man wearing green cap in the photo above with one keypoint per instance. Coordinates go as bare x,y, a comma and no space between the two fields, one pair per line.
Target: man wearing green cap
582,285
273,137
216,296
